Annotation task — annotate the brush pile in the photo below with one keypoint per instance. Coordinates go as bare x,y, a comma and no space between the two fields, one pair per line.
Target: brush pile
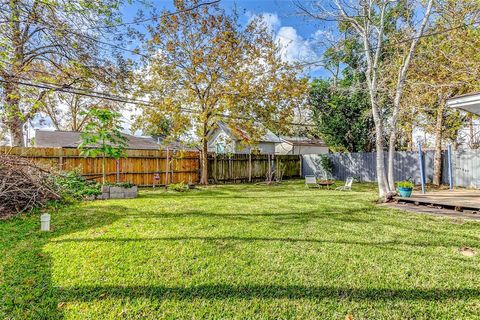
24,185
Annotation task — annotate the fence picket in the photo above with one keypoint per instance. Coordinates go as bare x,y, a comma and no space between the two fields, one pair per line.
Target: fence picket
141,166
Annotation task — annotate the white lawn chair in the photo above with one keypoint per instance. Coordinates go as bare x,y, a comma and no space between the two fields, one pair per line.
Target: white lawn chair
310,181
347,186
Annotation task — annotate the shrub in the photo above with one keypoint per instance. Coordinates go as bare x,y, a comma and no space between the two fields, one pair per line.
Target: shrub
326,165
121,184
178,187
73,186
405,184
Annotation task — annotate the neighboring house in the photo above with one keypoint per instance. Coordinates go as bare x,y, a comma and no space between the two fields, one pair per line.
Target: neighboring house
226,139
300,145
71,139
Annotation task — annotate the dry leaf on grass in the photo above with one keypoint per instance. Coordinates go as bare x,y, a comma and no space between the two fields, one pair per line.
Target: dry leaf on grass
466,251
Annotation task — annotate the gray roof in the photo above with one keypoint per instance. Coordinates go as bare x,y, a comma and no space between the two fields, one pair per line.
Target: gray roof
71,139
268,136
301,140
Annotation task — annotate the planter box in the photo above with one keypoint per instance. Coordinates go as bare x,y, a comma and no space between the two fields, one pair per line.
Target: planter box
405,192
115,192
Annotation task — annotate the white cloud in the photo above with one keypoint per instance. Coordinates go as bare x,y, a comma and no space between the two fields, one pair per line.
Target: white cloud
270,19
293,47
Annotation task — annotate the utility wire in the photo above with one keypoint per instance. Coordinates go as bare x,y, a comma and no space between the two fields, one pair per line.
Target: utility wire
168,14
110,97
135,52
425,35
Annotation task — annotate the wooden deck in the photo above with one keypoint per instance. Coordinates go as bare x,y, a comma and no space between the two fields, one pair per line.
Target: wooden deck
450,199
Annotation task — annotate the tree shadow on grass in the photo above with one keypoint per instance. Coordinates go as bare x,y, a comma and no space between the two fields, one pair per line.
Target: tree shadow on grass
222,195
26,289
334,213
395,245
293,292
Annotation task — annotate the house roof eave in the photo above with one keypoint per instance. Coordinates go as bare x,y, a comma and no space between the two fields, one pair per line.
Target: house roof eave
467,102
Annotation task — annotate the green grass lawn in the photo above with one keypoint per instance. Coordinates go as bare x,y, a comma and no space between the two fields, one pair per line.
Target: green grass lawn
244,251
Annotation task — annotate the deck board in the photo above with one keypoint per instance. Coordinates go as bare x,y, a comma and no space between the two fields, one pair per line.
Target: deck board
461,199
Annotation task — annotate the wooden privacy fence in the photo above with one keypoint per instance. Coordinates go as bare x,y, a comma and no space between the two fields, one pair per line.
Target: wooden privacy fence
141,167
240,168
160,167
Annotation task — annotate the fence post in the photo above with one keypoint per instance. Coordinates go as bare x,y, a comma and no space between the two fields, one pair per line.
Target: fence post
166,169
301,165
215,168
250,167
117,170
420,163
449,161
60,159
269,168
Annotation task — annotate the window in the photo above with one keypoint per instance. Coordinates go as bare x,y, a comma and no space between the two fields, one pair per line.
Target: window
220,147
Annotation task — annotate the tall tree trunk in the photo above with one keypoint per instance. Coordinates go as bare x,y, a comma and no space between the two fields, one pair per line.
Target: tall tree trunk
381,174
380,153
204,155
437,158
13,114
402,77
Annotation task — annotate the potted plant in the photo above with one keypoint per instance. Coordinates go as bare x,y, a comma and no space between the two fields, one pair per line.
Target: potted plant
405,188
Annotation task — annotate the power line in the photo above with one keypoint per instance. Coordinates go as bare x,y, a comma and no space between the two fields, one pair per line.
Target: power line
91,38
110,97
158,17
425,35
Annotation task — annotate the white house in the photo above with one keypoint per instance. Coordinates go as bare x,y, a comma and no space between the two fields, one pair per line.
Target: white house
300,145
226,139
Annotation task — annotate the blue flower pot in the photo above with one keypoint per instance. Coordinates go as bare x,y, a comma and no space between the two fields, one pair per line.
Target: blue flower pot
405,192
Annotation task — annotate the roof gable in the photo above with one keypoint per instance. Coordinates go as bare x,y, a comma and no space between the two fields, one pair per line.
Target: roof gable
236,133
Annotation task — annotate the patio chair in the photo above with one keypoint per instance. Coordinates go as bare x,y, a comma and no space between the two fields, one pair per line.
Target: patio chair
347,186
310,181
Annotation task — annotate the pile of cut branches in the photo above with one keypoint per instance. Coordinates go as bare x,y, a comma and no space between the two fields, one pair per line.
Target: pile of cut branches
24,185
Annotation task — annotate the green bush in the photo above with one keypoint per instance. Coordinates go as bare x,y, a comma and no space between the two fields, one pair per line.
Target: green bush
405,184
178,187
120,184
326,165
73,186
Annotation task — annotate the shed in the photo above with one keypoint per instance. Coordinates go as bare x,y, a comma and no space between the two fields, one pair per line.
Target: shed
300,145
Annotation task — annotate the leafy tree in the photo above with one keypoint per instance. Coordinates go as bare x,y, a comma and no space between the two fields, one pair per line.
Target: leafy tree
375,24
68,111
102,136
45,40
444,67
343,118
205,67
155,124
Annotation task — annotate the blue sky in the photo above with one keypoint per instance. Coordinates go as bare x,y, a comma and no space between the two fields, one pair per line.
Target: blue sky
300,38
